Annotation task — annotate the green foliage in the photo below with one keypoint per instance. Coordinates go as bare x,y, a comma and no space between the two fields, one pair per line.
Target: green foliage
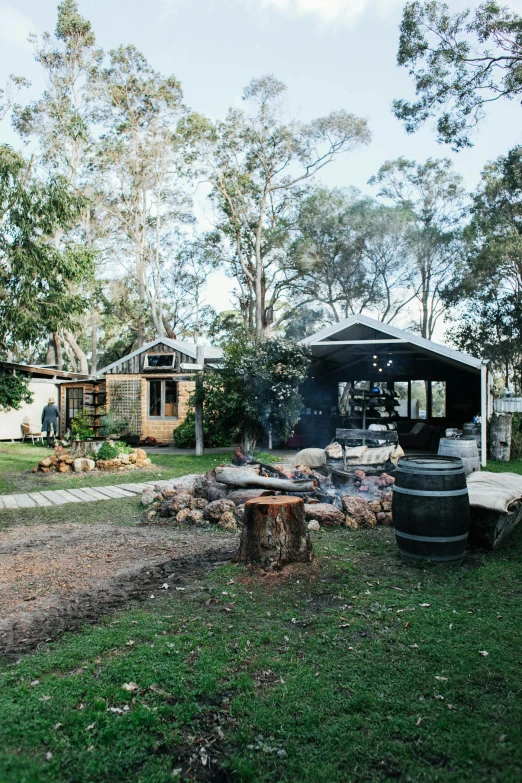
112,425
122,447
256,388
516,437
460,62
38,278
214,433
14,390
81,426
107,451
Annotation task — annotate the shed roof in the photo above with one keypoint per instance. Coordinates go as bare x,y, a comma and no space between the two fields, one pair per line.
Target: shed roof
360,329
190,349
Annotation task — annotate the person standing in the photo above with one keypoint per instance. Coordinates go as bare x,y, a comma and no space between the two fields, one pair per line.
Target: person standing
50,416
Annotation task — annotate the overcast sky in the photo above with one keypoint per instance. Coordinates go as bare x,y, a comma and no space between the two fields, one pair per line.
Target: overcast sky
332,54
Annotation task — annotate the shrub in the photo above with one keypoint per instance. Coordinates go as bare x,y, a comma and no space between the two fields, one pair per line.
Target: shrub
185,435
516,436
112,425
122,448
81,426
107,451
14,390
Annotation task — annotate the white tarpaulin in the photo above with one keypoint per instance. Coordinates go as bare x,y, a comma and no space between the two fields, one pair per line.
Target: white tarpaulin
494,491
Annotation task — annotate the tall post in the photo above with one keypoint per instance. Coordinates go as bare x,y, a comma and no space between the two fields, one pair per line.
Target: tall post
198,409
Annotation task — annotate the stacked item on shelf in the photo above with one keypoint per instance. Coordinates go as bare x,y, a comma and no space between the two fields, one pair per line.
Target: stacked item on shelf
95,402
375,405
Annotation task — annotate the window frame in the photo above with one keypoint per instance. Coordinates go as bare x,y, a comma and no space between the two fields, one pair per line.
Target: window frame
162,416
162,367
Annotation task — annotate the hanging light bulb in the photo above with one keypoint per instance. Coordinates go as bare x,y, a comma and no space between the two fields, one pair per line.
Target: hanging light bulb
380,369
375,357
375,364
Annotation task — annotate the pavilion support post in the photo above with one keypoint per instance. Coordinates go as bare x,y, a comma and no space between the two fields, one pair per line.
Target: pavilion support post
484,413
198,407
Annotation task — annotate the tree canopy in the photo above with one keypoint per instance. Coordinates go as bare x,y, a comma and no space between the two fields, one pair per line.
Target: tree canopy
460,62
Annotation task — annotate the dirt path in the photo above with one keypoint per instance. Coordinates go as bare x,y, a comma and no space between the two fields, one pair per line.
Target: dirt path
53,576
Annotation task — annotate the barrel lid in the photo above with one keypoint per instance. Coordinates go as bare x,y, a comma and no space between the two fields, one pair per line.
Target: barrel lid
430,462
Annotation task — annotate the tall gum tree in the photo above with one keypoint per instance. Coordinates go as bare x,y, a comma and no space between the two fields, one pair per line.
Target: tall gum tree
257,162
432,195
60,124
138,173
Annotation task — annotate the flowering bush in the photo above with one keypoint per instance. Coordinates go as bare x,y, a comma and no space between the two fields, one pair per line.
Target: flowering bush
256,389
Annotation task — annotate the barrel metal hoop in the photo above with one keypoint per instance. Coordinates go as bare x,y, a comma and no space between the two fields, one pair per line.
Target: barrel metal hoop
431,473
430,493
435,539
409,556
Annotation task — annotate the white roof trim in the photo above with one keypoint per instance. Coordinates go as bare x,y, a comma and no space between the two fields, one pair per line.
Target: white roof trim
187,348
322,336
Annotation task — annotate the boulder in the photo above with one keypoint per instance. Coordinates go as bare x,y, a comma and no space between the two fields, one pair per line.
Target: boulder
63,467
168,492
359,511
124,459
148,497
185,483
180,501
190,516
386,505
228,521
45,463
217,508
143,463
137,455
324,513
314,525
198,504
82,464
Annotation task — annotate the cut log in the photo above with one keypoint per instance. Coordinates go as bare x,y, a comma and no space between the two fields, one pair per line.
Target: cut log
274,533
500,437
241,478
240,496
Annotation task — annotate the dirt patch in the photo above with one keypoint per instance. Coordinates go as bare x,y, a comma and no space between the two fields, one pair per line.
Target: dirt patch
54,576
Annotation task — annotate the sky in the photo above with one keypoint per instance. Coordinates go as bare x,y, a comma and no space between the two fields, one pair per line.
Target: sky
332,54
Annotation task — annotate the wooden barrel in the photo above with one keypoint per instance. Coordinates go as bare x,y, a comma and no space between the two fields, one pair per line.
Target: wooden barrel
465,449
431,509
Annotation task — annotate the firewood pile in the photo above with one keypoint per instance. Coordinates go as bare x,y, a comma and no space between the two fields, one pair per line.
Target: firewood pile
62,462
330,498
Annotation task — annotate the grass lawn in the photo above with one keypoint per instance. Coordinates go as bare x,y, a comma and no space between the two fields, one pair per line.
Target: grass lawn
357,668
18,459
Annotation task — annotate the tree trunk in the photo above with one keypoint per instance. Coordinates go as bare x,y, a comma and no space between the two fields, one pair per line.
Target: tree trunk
50,357
500,436
246,478
80,355
58,350
274,533
94,342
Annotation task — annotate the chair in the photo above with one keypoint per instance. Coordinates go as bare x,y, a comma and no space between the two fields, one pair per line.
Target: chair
31,431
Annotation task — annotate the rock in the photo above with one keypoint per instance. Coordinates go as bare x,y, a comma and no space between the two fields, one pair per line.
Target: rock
190,516
351,522
360,474
240,496
180,501
324,513
388,480
82,464
376,506
386,505
207,487
228,521
304,469
198,503
63,467
185,483
124,458
143,463
216,508
239,512
168,492
45,463
360,511
150,515
45,470
148,497
314,525
364,488
388,520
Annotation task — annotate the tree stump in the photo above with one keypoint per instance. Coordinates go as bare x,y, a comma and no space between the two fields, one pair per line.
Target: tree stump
274,532
500,436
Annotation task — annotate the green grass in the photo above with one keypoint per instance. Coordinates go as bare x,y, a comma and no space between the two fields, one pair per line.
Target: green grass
18,459
126,511
358,668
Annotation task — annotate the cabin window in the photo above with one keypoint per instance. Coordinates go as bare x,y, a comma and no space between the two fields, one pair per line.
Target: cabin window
419,399
163,399
438,399
160,360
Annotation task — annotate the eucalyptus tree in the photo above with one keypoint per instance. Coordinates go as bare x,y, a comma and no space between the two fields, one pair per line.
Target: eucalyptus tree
431,194
460,62
39,279
350,254
138,174
258,161
60,124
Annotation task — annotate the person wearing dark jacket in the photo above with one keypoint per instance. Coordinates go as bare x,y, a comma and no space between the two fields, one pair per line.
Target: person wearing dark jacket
50,416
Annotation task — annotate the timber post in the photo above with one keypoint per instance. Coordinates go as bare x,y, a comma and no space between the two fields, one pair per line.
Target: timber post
198,407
